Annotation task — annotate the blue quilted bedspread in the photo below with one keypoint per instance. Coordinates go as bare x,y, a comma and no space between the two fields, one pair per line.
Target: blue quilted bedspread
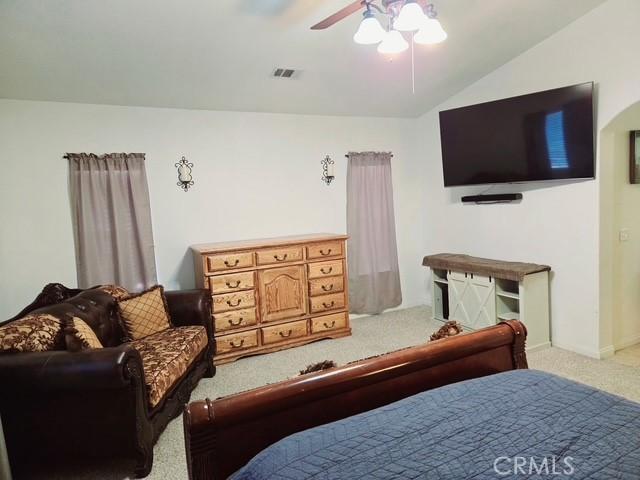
517,424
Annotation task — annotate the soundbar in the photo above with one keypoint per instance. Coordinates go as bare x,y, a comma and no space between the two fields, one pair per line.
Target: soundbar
496,198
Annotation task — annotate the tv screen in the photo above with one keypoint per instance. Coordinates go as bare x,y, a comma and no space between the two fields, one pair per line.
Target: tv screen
541,136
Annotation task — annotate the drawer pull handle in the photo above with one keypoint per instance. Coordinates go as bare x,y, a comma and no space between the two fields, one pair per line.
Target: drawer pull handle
234,305
235,324
281,259
226,262
233,345
327,271
333,324
233,286
322,252
288,334
327,288
328,305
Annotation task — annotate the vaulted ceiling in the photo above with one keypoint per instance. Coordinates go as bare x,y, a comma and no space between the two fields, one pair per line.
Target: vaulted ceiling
219,54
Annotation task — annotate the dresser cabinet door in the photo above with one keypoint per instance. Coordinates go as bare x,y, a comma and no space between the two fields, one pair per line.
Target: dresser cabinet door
282,293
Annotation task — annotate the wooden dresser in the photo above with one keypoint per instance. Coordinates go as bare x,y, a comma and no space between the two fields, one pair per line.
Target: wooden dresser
274,293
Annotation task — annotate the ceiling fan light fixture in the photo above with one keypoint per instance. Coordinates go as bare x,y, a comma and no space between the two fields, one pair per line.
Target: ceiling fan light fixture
370,31
410,18
393,43
431,32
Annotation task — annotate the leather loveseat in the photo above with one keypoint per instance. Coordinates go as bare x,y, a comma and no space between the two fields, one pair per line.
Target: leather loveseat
62,406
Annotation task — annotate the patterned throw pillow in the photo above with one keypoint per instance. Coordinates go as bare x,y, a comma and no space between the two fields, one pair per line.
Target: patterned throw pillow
80,336
37,332
145,313
115,291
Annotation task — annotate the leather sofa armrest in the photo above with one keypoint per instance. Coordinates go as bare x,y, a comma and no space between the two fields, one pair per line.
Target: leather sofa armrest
193,307
105,368
189,307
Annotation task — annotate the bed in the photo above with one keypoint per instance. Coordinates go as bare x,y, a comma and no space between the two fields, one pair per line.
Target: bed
459,408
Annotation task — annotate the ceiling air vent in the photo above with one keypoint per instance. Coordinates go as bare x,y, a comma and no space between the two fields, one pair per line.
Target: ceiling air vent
285,73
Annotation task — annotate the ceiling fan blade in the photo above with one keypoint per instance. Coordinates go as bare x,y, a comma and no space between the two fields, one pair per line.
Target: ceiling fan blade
339,15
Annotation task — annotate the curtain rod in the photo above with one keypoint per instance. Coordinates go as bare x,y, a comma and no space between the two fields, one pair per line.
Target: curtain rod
66,155
347,155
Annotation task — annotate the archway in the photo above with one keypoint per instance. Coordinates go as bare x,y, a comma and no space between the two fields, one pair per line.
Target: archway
619,236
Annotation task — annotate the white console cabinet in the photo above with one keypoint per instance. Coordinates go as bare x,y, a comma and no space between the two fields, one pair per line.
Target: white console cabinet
478,292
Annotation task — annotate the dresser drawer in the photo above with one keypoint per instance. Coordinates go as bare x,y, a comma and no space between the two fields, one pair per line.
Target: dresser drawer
233,301
285,331
327,302
279,255
325,269
228,261
321,250
231,282
324,286
234,319
236,341
329,322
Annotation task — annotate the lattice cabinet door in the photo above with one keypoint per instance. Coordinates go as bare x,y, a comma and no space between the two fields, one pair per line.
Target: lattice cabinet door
472,300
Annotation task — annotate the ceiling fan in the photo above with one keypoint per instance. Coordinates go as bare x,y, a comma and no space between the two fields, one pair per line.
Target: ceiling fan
402,16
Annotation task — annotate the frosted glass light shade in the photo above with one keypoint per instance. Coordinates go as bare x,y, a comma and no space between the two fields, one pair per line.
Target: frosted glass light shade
430,32
410,18
370,31
393,42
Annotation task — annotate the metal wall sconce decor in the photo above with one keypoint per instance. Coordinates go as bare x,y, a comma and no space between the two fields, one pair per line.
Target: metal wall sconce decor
185,179
327,170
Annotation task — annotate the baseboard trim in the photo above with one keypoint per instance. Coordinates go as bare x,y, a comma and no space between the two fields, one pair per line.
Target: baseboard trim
607,352
355,316
587,352
537,348
630,342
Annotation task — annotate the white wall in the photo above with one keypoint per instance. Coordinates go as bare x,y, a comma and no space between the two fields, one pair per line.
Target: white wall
256,175
557,224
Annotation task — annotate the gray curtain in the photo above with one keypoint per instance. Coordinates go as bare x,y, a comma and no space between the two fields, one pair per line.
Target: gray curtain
374,277
112,220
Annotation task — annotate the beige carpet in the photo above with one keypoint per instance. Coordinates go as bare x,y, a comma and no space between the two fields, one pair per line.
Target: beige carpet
371,336
628,356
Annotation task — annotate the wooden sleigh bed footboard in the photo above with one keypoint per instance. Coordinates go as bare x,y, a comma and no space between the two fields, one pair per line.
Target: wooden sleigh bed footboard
222,435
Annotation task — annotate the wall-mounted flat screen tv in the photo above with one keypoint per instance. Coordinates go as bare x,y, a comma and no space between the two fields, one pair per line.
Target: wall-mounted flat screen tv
541,136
